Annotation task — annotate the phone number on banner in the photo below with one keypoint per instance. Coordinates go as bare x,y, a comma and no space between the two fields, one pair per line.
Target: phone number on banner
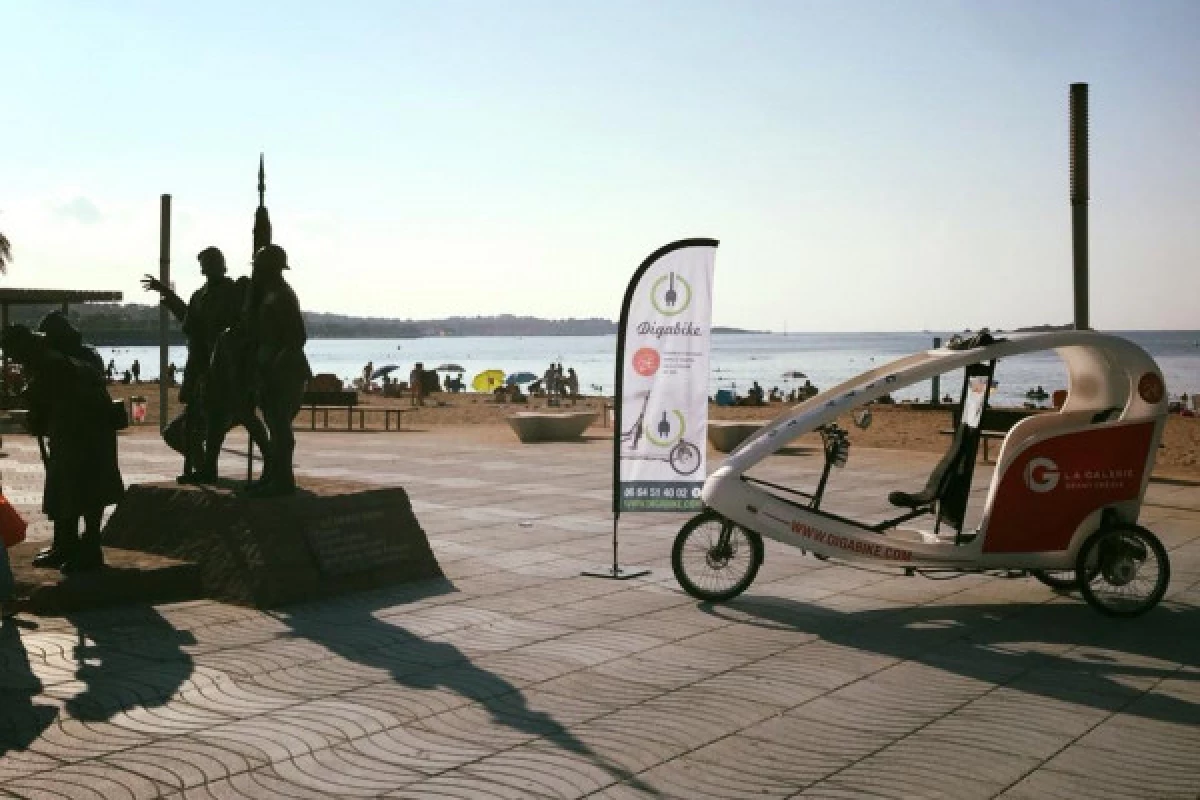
661,495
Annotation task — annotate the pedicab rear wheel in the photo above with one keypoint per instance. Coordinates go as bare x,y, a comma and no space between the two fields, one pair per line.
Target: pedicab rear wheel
1127,570
1061,579
714,559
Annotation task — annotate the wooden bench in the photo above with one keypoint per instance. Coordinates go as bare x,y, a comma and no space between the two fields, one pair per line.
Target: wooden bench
332,401
995,423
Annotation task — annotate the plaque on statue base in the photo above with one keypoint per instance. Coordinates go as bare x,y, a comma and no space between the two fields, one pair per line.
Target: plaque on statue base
329,537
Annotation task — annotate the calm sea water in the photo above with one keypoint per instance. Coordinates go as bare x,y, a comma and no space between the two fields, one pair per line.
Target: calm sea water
737,359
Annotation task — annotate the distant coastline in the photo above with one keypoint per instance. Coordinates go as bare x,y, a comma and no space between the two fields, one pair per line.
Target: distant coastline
135,325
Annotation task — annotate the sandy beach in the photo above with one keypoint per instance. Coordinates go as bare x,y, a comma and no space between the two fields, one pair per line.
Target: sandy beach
478,416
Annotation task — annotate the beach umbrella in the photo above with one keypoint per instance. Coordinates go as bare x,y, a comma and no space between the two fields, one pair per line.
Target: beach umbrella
488,380
388,370
795,373
520,377
449,368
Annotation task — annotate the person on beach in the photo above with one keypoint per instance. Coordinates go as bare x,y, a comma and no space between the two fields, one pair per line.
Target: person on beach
111,371
572,385
69,406
416,384
551,381
136,370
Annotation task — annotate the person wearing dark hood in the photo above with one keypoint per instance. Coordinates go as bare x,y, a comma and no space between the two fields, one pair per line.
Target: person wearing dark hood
214,307
69,406
63,337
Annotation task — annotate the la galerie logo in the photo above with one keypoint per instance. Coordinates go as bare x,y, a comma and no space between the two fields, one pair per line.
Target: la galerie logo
1041,475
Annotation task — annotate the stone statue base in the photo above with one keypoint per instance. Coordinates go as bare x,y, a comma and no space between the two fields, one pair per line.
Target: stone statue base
328,538
129,578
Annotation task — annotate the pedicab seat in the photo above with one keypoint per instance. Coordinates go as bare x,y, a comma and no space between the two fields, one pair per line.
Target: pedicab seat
938,478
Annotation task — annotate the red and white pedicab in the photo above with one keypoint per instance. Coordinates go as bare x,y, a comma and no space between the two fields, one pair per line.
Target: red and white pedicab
1063,503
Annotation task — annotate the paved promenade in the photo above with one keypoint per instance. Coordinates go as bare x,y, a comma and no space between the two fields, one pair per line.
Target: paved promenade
518,678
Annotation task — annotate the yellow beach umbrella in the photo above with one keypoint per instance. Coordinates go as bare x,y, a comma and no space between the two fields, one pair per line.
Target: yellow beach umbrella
488,380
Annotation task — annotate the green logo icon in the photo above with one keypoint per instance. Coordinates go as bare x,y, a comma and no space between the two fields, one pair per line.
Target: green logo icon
671,294
668,434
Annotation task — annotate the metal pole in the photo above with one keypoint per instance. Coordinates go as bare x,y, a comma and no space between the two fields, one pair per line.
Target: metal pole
937,379
1079,200
164,275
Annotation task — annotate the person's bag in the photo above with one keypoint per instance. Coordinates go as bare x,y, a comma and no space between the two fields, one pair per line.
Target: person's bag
12,527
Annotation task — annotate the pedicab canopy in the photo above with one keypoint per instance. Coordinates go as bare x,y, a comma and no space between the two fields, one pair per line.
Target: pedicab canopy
1105,374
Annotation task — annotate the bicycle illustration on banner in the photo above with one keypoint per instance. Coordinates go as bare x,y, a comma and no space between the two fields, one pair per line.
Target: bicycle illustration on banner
665,434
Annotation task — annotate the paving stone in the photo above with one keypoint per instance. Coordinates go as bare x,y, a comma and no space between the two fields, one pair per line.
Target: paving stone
89,779
517,677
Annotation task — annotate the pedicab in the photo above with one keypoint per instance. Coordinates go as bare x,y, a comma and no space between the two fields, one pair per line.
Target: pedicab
1062,505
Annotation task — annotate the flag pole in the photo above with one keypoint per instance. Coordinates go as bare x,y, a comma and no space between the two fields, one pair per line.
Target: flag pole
616,571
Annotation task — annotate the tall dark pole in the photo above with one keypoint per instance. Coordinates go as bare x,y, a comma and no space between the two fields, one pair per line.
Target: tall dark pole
262,238
1079,200
164,275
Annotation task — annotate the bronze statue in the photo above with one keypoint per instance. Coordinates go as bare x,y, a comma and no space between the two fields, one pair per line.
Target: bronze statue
69,405
275,335
214,307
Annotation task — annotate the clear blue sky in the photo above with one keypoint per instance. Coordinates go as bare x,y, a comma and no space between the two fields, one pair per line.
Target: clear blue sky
866,165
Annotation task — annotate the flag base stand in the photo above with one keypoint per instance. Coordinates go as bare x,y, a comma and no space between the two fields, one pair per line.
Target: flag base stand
616,572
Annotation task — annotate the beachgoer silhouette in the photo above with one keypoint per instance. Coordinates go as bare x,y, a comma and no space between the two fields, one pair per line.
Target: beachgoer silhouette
136,369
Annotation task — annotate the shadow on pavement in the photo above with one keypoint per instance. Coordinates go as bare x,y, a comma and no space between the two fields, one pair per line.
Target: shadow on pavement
21,719
130,658
423,664
1063,651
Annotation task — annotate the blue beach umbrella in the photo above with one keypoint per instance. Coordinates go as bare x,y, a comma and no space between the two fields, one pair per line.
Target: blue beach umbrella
389,369
520,377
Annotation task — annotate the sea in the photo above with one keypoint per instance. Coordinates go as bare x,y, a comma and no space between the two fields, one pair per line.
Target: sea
737,359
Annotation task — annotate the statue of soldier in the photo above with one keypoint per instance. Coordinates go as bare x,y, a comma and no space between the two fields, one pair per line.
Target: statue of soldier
276,338
214,307
69,406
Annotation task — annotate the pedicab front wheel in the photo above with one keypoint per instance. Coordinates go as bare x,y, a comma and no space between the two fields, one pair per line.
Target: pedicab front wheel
1127,570
714,559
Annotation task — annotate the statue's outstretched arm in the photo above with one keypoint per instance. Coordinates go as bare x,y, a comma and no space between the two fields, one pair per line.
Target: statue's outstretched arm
172,301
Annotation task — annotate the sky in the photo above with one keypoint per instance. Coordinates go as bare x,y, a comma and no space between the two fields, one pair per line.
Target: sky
866,165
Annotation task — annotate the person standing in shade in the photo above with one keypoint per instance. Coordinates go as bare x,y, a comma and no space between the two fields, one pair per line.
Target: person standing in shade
8,586
69,406
136,371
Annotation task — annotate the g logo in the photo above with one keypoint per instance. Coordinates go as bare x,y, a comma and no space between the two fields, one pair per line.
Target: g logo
1041,475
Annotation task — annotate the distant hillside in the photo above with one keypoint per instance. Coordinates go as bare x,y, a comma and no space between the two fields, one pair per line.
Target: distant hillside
133,324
